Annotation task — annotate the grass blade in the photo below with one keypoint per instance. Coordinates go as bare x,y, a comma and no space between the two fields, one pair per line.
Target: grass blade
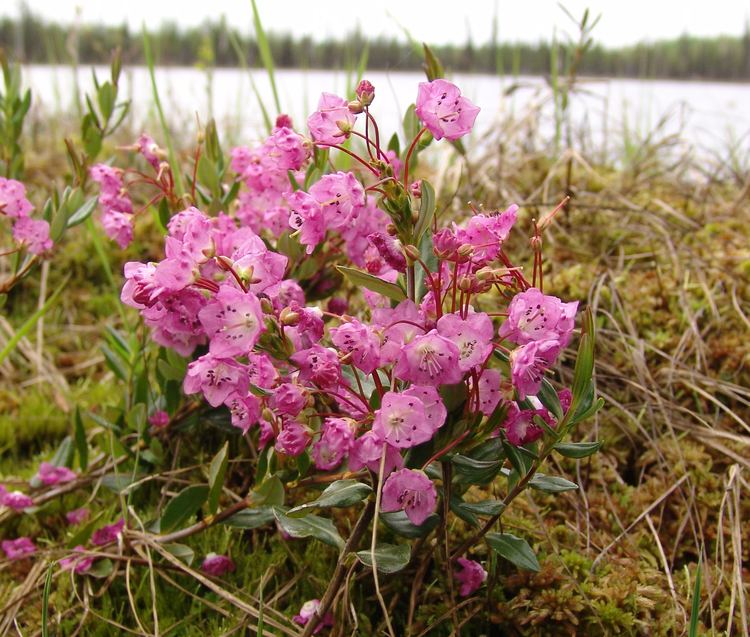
265,54
695,608
149,57
31,321
45,601
243,64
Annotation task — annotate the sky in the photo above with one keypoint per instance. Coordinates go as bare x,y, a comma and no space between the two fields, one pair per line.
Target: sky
436,21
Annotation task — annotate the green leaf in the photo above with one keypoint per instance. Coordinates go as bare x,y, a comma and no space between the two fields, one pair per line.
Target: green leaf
389,558
476,471
551,484
577,449
411,125
549,398
485,508
80,437
357,277
118,482
216,474
83,213
270,493
265,54
181,551
101,569
183,506
695,607
514,549
251,518
64,454
426,211
432,67
584,368
399,523
45,600
341,493
310,526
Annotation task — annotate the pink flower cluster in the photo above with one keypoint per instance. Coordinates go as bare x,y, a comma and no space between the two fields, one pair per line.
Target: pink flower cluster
33,234
117,209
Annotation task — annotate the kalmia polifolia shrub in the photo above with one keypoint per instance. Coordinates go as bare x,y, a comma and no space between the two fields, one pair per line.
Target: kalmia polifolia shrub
359,342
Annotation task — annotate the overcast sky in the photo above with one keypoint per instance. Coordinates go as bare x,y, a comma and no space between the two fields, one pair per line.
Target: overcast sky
436,21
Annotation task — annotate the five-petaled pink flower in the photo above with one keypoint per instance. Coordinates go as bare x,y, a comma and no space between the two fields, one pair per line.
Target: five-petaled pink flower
49,474
233,321
528,364
471,576
33,233
333,121
430,359
411,491
534,316
444,111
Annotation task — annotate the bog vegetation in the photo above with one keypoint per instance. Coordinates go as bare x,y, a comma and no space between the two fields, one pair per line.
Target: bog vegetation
356,381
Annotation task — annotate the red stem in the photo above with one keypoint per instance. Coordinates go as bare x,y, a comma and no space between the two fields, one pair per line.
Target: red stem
409,153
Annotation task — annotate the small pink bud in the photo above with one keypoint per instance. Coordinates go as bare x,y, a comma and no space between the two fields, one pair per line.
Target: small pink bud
159,419
416,188
284,121
365,92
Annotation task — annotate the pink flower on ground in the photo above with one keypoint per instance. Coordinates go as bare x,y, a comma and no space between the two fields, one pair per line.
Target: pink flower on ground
444,111
473,336
528,364
534,316
471,576
318,365
411,491
78,563
332,122
217,565
15,500
13,201
429,359
108,533
19,548
33,233
367,450
233,322
49,474
76,516
293,439
336,440
309,608
159,419
216,377
361,342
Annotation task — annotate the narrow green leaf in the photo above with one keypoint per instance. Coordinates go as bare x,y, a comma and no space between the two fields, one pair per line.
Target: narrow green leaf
183,506
64,454
584,361
80,437
389,558
426,211
577,449
181,551
399,523
83,213
234,41
485,508
45,600
514,549
265,54
357,277
270,493
216,474
310,526
551,484
251,518
476,471
432,67
341,493
695,607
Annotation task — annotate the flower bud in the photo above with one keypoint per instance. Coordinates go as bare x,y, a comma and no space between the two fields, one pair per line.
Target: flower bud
465,284
411,252
266,305
465,251
289,317
536,243
416,188
225,263
355,107
391,229
267,414
284,121
365,92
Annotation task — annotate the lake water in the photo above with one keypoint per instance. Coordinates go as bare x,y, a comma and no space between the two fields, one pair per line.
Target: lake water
708,116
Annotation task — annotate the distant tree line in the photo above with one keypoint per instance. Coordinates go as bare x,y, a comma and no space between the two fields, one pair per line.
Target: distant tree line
31,39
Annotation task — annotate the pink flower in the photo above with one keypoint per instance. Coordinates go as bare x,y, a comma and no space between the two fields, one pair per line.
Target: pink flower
519,426
78,563
245,410
309,608
307,216
150,151
401,325
49,474
293,439
486,234
334,443
489,391
367,450
288,399
411,491
341,197
444,112
76,516
216,377
361,342
34,233
389,249
159,419
332,122
286,149
140,290
13,202
233,322
318,365
365,92
528,363
118,226
108,533
217,565
430,359
533,316
15,500
471,576
409,418
473,336
19,548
